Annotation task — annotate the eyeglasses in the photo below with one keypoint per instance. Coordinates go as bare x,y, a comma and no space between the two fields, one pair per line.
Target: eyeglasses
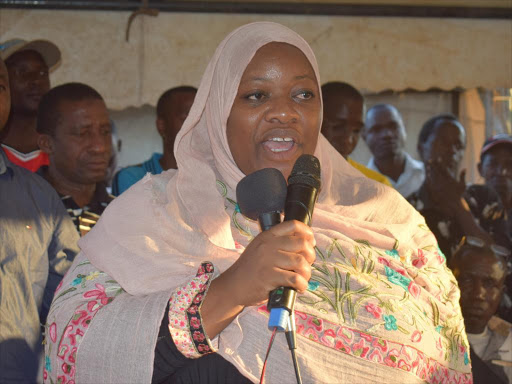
479,243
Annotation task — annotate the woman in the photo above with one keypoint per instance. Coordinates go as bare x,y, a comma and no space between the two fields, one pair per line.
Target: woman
380,305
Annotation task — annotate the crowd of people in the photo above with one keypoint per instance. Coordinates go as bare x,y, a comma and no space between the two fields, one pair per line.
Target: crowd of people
163,280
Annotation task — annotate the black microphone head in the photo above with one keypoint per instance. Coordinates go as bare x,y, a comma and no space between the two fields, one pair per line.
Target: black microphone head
306,171
261,192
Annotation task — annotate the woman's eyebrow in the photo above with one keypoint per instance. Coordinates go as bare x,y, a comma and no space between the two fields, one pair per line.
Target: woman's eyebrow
259,78
305,77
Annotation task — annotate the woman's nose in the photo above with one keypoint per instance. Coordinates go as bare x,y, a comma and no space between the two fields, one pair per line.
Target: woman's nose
282,110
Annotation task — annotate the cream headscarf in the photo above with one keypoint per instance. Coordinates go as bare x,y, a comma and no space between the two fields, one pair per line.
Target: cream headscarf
378,272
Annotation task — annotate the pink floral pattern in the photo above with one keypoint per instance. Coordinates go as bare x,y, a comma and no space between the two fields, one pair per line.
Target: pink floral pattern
75,330
185,324
366,346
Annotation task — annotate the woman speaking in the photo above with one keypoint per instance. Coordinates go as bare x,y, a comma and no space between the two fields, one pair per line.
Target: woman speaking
171,283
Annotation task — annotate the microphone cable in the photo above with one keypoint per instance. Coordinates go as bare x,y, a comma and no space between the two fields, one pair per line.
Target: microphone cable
268,353
292,345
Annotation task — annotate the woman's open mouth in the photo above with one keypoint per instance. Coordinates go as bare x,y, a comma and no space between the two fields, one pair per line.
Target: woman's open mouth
279,144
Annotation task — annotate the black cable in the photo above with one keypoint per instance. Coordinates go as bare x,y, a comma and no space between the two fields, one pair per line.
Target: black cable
290,338
296,366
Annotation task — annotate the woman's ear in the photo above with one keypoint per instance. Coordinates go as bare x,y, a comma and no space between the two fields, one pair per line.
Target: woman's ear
45,142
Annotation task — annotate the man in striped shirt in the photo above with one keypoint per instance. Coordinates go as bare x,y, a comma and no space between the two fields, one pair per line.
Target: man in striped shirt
75,131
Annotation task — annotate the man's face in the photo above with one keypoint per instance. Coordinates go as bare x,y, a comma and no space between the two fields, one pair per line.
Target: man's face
481,279
176,111
81,147
384,132
496,169
342,123
5,97
445,146
29,79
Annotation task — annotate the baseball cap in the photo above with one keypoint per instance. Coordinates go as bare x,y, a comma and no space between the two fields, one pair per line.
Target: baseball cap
491,142
49,51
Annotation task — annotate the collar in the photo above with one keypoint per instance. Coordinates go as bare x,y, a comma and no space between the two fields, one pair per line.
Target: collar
100,195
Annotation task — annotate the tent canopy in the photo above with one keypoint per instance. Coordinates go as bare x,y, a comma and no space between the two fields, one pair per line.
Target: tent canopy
172,49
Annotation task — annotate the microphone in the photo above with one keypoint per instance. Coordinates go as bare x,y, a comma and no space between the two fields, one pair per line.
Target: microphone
303,185
261,196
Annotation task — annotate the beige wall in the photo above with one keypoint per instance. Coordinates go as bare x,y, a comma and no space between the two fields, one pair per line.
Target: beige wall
173,49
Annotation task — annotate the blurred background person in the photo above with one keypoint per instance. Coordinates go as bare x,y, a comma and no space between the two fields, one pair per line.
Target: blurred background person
28,65
496,168
343,121
172,109
37,246
480,272
452,210
384,133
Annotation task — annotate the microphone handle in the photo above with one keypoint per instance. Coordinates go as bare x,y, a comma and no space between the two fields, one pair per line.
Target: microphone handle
299,205
300,202
268,219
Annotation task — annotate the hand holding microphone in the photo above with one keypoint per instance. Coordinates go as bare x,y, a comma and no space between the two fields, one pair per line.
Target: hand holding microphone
282,254
255,198
295,243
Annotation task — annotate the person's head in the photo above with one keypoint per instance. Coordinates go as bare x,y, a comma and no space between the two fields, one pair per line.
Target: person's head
481,274
343,116
5,96
442,140
496,165
28,65
384,131
276,114
171,111
75,130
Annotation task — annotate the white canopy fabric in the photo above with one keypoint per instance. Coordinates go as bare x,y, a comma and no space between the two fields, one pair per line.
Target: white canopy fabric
173,49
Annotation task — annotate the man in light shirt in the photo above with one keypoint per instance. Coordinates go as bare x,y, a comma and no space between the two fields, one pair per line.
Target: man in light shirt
384,133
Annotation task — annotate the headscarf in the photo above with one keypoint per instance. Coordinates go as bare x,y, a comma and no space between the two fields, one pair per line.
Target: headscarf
379,280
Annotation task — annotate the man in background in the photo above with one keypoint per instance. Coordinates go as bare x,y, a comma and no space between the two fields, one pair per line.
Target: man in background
496,168
74,130
384,133
449,207
481,273
37,246
28,65
171,110
343,122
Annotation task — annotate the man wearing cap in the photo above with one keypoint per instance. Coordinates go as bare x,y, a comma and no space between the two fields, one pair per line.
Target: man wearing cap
28,64
37,246
496,168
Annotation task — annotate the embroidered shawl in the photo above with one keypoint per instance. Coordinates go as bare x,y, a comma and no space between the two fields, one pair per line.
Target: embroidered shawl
381,305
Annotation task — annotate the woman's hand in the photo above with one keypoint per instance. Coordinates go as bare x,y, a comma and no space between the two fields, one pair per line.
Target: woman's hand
281,256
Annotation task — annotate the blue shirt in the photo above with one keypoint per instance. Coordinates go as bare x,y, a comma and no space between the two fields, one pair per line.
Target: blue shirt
128,176
38,243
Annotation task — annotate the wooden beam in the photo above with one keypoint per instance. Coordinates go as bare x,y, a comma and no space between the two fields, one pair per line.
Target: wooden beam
283,7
